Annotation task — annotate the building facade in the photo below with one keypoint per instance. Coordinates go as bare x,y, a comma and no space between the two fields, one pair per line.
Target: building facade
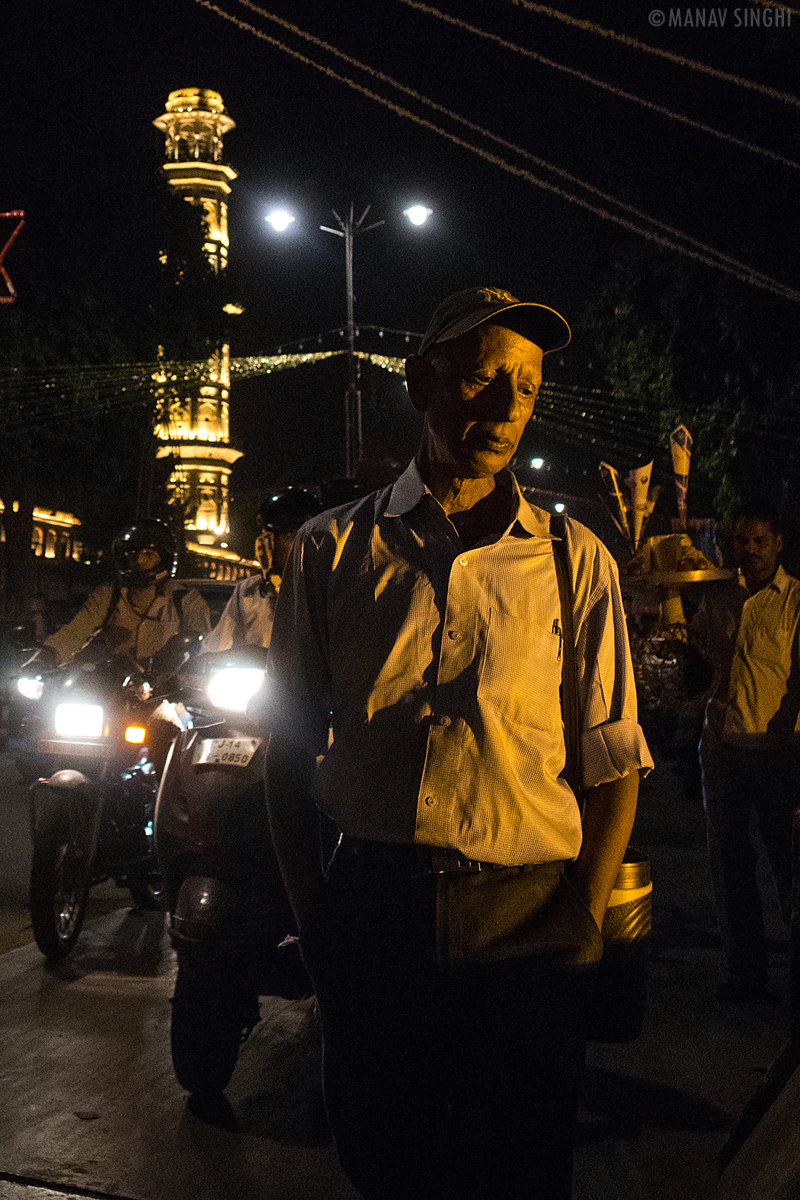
192,424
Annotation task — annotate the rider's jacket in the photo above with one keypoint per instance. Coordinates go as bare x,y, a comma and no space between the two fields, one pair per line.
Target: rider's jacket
175,610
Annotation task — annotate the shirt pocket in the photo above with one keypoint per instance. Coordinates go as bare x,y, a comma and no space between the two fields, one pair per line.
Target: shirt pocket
767,646
521,671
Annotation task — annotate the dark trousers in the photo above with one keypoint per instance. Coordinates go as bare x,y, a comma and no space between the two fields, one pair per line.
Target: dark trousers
440,1083
738,783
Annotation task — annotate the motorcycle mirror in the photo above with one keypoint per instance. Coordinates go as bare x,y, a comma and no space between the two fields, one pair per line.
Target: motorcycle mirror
22,636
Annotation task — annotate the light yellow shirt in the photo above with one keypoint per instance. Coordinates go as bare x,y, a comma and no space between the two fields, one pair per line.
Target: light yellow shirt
139,634
752,642
441,668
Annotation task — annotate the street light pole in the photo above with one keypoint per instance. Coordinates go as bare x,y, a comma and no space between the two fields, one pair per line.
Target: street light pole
352,400
280,219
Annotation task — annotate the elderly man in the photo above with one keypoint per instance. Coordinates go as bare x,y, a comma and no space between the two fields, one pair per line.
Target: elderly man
424,623
750,746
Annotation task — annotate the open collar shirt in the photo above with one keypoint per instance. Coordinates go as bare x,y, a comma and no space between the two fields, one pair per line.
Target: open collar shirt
440,666
752,641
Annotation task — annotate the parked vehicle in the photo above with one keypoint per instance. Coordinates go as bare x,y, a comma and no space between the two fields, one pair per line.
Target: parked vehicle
88,736
230,919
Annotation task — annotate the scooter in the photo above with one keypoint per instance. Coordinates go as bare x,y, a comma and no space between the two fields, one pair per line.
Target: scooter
85,735
230,919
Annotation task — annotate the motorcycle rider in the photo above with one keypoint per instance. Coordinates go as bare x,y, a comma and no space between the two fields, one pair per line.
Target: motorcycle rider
142,613
247,618
142,610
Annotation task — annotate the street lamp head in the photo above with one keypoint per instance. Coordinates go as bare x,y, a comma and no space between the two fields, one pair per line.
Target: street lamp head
417,214
279,219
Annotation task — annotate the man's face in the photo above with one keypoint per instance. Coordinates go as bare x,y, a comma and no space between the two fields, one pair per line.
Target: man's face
477,392
142,563
757,550
148,559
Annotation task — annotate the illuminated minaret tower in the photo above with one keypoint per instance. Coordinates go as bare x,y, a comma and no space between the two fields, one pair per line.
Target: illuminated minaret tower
193,420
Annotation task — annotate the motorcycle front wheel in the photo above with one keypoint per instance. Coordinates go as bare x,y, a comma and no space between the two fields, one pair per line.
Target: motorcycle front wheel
213,1011
60,873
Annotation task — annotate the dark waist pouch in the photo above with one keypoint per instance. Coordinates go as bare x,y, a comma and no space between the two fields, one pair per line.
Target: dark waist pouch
511,912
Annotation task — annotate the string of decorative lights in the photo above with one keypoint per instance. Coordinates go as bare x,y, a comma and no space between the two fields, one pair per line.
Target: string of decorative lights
776,4
679,59
617,403
589,415
708,255
593,432
610,426
245,368
571,435
341,331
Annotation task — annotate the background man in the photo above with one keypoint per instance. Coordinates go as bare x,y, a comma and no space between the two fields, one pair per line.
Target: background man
750,745
424,620
248,615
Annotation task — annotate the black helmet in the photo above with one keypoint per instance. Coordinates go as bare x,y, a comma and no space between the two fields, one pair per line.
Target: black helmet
146,534
287,510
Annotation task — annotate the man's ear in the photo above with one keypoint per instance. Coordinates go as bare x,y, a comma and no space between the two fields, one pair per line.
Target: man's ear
420,380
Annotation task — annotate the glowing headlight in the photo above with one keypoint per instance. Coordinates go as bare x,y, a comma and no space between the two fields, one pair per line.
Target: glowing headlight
31,689
232,687
79,720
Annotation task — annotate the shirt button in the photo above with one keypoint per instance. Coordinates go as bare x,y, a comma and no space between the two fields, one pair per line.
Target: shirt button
430,801
443,721
463,560
454,635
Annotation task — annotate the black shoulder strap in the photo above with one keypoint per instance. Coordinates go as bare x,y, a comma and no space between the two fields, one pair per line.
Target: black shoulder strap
179,594
113,601
569,672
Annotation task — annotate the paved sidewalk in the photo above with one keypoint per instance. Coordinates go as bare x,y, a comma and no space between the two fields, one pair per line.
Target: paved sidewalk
89,1105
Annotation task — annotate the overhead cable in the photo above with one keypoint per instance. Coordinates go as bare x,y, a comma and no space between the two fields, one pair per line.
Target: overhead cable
595,191
708,255
692,63
600,83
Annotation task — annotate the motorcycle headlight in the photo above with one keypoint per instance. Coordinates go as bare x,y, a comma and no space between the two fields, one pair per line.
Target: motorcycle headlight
231,688
31,689
79,720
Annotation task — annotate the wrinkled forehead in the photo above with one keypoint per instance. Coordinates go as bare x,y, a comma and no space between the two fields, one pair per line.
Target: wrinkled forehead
492,341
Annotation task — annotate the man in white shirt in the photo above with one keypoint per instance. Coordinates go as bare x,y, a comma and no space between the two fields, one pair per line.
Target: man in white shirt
247,617
423,624
750,745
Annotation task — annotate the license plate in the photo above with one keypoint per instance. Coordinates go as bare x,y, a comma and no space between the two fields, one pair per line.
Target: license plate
229,752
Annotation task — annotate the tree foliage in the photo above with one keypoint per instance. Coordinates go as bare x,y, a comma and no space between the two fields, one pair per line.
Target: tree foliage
152,288
709,353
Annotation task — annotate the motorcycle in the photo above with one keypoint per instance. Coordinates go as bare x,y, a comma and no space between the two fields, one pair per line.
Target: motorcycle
230,920
84,739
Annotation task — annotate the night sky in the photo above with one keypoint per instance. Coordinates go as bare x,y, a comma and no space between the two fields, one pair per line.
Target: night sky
82,82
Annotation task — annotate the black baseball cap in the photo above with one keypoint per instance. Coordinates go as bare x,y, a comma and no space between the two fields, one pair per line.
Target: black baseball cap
464,310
